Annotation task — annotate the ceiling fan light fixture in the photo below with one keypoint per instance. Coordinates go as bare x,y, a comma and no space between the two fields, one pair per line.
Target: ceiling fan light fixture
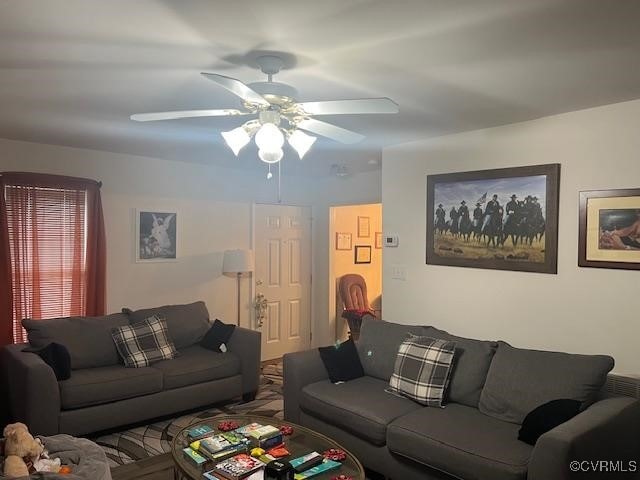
236,139
269,138
270,156
301,142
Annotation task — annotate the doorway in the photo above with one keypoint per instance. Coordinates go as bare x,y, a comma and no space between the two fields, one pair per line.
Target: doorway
356,248
282,244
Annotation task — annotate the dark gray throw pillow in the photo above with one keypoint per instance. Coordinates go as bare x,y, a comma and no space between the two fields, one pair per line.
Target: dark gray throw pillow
342,361
218,335
87,339
546,417
470,366
519,380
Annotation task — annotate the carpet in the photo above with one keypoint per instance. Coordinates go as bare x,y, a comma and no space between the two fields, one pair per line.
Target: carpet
145,441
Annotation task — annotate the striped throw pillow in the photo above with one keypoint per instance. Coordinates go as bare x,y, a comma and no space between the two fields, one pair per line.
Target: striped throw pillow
144,343
422,370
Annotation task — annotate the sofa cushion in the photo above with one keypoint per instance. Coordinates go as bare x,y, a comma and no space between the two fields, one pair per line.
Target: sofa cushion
88,339
187,323
470,366
520,380
360,406
94,386
341,361
196,365
422,370
378,345
218,336
144,343
462,442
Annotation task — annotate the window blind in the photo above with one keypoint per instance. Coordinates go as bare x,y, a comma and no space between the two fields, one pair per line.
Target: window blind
47,230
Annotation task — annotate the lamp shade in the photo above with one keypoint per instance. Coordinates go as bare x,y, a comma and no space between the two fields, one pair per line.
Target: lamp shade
237,261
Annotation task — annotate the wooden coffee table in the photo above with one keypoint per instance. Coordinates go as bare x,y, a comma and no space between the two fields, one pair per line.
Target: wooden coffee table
301,442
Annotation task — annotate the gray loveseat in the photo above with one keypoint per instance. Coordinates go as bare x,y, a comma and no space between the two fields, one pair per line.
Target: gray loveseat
101,393
492,388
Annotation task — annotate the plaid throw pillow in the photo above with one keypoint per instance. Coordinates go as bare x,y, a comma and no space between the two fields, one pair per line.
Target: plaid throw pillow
422,370
143,343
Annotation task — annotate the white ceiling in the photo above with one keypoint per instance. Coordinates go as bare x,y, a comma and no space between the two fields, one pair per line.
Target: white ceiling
72,71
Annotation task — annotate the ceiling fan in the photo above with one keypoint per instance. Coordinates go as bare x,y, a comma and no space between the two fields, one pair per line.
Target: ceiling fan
279,115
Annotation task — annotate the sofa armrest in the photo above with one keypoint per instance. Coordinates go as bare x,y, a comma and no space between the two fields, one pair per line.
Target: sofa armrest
300,369
246,344
34,395
607,430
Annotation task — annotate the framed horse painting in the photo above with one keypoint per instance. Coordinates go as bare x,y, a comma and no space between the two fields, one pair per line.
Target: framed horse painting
504,219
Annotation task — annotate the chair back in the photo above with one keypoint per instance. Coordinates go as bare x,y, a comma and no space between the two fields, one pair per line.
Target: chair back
353,292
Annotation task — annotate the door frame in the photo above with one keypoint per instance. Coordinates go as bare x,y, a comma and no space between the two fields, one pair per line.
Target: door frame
312,319
333,286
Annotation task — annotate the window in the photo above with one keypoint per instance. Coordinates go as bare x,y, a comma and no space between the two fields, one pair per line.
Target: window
51,248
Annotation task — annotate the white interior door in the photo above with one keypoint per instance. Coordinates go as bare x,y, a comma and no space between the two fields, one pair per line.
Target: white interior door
283,276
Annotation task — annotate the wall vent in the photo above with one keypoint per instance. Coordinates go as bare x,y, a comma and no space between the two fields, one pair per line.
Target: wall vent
620,385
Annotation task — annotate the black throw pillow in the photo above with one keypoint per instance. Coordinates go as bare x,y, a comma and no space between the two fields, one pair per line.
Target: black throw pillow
342,361
546,417
217,336
56,356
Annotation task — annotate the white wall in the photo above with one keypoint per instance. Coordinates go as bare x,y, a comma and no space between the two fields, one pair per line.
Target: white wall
582,310
214,206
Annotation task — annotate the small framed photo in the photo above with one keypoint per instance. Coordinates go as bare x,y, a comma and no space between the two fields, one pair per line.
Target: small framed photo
609,229
378,242
364,229
363,254
156,236
343,241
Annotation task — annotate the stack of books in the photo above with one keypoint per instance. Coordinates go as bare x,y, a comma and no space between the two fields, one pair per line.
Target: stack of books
221,446
265,437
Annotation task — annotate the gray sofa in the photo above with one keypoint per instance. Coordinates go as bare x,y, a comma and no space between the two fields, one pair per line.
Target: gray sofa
492,388
101,393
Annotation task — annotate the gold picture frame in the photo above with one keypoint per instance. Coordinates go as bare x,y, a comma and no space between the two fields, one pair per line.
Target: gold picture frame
343,241
364,227
362,254
609,229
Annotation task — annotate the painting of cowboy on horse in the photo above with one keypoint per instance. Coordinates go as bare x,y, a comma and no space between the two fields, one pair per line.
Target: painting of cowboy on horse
498,218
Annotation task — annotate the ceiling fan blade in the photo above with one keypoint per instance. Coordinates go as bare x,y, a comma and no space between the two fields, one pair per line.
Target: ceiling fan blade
237,88
149,117
350,107
330,131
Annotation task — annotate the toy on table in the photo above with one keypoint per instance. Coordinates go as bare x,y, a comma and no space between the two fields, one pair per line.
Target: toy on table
335,454
228,425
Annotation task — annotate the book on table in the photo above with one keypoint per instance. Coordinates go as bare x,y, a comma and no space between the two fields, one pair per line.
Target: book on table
224,454
201,431
194,458
237,467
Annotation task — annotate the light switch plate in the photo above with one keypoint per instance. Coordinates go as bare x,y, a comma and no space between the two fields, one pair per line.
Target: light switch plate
399,272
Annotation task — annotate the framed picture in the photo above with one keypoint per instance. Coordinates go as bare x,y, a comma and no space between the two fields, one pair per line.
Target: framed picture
364,227
156,236
378,242
343,241
505,219
609,229
363,254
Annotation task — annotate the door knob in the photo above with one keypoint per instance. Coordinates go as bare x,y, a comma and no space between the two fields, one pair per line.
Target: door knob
258,282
